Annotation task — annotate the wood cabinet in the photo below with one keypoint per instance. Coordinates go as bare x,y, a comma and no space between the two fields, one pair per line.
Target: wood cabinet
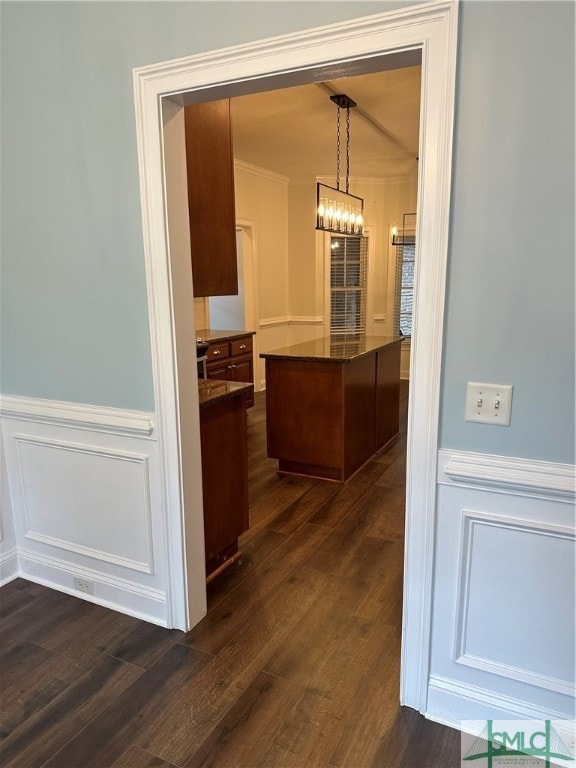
231,360
223,441
210,174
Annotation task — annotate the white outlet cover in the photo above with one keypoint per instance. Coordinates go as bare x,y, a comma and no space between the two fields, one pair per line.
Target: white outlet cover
489,403
84,585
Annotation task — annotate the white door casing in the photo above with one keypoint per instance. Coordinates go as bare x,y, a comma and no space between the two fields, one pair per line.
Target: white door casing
336,50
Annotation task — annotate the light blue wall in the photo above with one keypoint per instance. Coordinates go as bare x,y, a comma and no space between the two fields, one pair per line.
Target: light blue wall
74,305
74,313
510,307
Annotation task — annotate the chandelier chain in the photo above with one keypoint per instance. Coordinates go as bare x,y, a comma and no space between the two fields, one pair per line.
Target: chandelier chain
347,149
338,150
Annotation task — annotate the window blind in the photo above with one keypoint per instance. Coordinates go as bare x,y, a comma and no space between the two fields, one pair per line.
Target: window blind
404,275
348,266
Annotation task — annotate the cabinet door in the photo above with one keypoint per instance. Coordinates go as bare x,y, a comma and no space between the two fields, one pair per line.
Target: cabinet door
241,369
210,172
220,372
224,474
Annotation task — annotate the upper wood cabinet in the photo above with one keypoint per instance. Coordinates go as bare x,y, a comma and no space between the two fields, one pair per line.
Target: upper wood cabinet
210,173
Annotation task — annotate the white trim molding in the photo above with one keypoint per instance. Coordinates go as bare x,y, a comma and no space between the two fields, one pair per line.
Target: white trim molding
93,417
8,566
471,522
451,701
524,477
274,322
287,320
306,321
349,47
263,173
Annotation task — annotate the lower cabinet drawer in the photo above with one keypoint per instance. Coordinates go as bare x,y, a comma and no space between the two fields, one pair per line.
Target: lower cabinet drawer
216,352
241,346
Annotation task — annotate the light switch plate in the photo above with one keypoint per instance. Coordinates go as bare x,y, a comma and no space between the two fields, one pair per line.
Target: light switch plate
489,403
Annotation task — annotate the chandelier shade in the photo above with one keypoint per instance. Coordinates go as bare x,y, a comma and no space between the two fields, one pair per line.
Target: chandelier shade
338,211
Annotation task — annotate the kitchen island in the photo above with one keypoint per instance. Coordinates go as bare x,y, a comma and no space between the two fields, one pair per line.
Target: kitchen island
332,403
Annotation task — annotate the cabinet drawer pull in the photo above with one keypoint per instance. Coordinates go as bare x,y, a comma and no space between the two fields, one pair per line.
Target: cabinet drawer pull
216,352
242,346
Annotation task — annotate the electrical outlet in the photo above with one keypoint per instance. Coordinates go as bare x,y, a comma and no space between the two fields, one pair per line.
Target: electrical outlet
84,585
489,403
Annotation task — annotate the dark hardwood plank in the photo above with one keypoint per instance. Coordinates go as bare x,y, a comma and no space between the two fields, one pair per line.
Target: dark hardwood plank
292,517
13,599
34,621
131,712
255,551
244,735
374,701
145,644
256,592
29,695
197,709
134,757
34,742
431,744
90,626
18,660
284,492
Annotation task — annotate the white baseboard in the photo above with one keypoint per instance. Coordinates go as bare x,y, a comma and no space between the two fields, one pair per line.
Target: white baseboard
450,702
8,566
119,594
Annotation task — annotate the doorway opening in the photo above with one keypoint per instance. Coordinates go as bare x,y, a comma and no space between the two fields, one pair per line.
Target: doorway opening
363,45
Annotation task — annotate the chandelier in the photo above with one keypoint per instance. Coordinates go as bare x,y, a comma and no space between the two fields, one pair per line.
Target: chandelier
336,209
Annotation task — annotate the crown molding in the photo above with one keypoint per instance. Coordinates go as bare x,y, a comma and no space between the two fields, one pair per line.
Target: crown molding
263,173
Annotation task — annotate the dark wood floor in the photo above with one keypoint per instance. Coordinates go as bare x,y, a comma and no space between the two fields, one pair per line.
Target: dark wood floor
296,664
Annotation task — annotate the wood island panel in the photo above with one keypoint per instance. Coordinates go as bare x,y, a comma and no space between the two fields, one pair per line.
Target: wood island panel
303,405
359,426
387,395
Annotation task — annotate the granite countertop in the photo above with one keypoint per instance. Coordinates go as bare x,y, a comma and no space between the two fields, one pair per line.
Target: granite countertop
209,334
333,349
211,391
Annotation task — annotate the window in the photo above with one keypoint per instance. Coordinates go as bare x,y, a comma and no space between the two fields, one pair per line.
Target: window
348,260
405,242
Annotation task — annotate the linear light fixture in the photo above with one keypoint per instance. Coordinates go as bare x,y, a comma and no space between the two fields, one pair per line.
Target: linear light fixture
336,209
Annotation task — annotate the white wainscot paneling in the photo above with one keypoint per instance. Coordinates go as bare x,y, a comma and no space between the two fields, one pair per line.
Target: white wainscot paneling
66,503
503,642
86,495
516,593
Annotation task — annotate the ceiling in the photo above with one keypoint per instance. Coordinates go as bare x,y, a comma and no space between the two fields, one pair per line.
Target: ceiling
293,131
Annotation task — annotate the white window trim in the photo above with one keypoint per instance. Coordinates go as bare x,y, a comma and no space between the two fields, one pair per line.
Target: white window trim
432,28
